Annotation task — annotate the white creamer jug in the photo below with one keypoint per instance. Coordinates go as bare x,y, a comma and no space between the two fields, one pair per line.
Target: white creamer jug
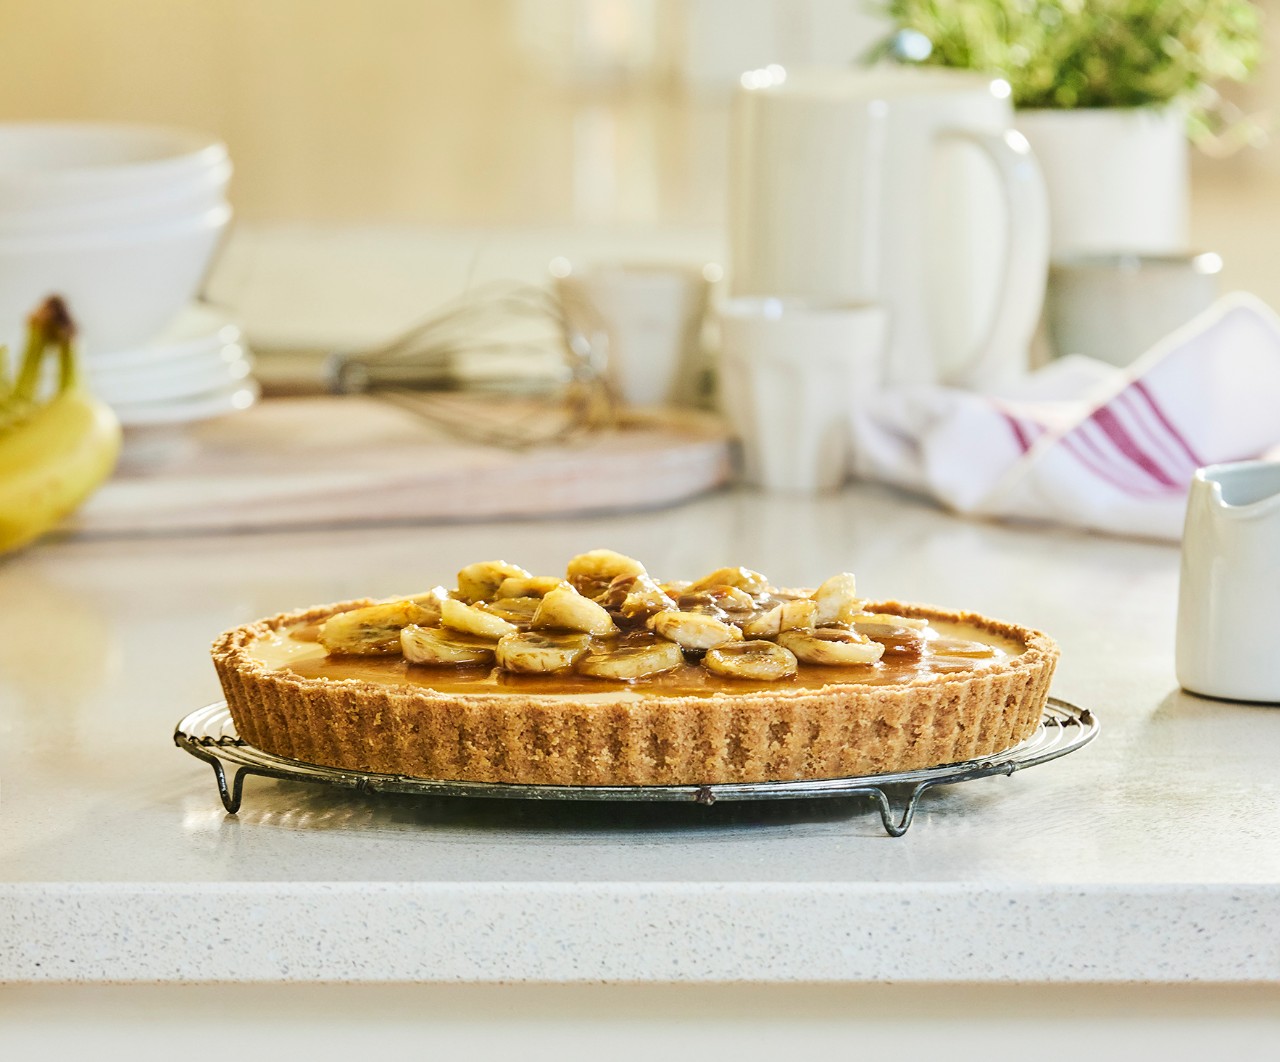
1229,596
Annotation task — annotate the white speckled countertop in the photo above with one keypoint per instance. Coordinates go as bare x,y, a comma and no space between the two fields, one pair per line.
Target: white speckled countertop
1151,855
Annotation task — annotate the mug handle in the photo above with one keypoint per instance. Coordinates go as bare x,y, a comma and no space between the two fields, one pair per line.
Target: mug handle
1025,267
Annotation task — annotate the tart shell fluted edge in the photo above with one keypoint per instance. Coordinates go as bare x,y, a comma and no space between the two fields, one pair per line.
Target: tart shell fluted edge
626,739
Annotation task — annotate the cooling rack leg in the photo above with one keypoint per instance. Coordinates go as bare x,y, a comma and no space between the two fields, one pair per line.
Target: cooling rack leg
885,806
230,794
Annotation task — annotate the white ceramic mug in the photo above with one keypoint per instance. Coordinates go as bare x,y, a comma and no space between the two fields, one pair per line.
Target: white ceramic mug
904,187
1229,594
789,370
652,317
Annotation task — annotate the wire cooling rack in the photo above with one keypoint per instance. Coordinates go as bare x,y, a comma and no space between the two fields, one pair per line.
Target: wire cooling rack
209,735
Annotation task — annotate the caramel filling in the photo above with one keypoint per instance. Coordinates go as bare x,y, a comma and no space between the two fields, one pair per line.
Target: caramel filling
947,648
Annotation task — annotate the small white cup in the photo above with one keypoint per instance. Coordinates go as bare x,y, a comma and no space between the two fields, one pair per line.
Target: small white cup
1229,594
790,369
1116,307
652,317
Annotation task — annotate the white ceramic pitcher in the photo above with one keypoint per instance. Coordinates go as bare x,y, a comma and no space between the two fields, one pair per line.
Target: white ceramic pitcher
903,187
1229,595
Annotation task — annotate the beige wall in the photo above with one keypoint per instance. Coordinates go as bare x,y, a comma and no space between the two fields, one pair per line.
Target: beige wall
413,110
447,111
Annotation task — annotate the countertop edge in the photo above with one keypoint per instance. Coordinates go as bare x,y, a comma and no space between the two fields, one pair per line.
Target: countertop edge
632,932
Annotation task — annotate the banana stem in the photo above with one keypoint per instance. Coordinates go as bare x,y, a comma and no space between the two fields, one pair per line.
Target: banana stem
48,326
32,355
68,365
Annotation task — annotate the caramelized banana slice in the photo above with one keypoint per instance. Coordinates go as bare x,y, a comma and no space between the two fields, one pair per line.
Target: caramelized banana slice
725,598
529,586
759,660
837,599
591,572
568,610
431,645
517,610
480,581
796,615
374,629
645,598
471,620
763,624
888,619
692,630
741,578
831,645
632,661
535,653
431,602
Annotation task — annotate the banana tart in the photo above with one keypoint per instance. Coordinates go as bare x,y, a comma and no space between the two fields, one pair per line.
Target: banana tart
609,677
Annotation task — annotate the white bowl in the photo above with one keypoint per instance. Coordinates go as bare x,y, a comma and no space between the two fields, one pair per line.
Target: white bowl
44,165
193,194
122,285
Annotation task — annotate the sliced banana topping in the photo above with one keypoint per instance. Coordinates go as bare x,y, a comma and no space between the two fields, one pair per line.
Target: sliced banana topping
834,646
645,598
517,610
568,610
690,630
889,619
765,624
632,661
468,619
725,598
759,660
591,572
742,578
538,653
837,599
529,586
731,618
430,601
431,645
480,582
615,591
961,648
374,629
796,615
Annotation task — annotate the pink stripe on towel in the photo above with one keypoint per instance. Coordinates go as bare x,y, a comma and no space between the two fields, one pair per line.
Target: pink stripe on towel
1141,389
1115,431
1019,433
1095,463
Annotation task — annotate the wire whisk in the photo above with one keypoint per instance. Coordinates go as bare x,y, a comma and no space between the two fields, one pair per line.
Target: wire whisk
502,366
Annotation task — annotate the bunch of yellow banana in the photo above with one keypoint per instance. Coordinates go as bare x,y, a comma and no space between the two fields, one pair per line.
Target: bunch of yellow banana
53,451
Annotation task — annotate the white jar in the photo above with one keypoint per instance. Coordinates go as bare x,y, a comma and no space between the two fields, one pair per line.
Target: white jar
1117,178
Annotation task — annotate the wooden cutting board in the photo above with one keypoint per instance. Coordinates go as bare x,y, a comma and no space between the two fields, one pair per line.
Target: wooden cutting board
352,460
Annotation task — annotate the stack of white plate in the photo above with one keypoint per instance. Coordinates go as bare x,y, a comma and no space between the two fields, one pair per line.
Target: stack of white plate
200,368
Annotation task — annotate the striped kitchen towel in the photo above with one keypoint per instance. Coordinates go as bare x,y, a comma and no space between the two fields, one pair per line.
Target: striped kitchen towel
1084,443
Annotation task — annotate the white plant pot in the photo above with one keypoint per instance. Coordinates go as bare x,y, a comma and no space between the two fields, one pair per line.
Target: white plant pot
1117,178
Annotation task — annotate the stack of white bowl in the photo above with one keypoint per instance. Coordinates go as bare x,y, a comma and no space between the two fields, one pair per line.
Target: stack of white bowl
123,222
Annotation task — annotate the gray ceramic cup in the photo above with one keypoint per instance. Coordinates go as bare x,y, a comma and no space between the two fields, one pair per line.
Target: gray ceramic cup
1116,307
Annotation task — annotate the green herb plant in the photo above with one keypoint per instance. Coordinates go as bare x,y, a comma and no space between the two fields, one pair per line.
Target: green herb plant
1086,53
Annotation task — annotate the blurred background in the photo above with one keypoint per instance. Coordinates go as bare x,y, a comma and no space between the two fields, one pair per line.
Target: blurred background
391,152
